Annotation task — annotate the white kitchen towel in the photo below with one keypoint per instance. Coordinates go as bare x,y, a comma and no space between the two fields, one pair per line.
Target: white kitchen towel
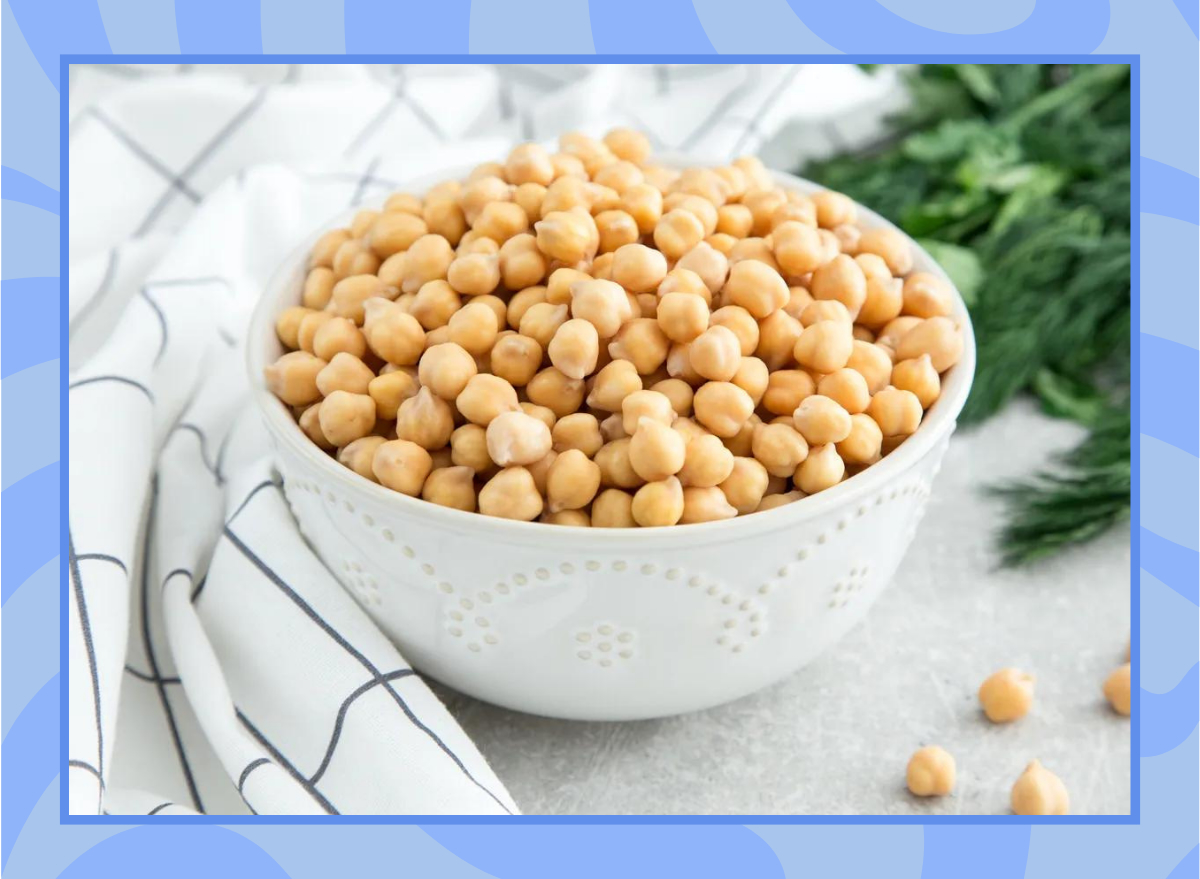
214,664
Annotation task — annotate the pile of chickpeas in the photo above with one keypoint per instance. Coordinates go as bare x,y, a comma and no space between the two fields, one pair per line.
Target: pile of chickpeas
586,337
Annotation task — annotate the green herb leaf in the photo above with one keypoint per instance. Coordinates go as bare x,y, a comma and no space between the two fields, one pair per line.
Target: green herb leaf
1016,179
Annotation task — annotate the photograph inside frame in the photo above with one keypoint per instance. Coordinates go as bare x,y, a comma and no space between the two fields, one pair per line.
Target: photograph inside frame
600,439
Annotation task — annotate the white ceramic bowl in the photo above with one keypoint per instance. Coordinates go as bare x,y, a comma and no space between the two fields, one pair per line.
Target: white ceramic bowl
600,624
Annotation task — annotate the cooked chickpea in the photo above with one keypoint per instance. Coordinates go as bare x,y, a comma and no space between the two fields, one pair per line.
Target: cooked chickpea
735,220
822,420
897,412
824,346
577,518
516,438
511,494
889,244
938,337
925,295
678,391
474,274
485,397
708,263
919,377
529,197
780,448
444,216
389,390
1039,792
655,450
847,388
434,305
500,221
683,316
426,420
771,501
612,384
864,443
615,467
542,320
825,309
572,481
451,487
354,258
359,455
310,423
394,335
579,430
834,209
890,334
680,280
705,505
484,189
601,303
716,354
403,202
574,348
345,416
1006,695
516,359
468,448
778,333
722,407
344,372
395,231
401,466
756,287
741,442
822,469
326,247
616,229
882,304
445,369
529,163
318,287
745,486
1117,690
721,242
659,503
797,248
762,204
645,404
872,363
638,268
786,388
677,232
474,328
627,144
741,323
570,236
707,463
558,285
521,302
613,508
642,342
930,772
559,393
840,279
428,259
293,378
752,376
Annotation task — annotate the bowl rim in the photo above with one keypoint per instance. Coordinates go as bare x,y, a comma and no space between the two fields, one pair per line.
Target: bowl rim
939,421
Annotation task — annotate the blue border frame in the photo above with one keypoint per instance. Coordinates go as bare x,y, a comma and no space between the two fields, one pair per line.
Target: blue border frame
1135,593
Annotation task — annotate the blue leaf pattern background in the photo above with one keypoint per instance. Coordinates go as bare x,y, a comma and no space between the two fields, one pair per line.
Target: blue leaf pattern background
37,32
